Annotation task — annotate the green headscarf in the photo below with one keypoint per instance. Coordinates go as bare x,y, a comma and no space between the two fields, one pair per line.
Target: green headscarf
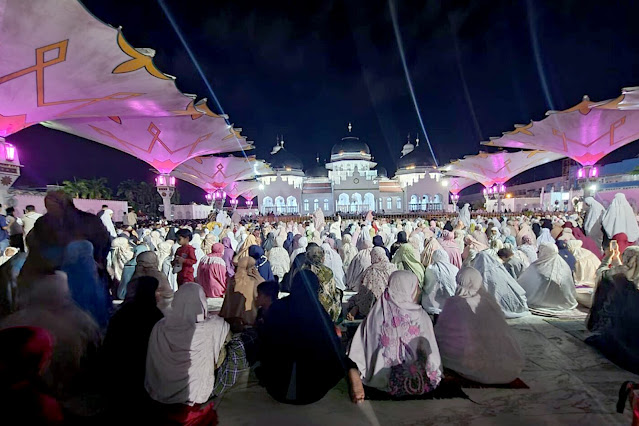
406,259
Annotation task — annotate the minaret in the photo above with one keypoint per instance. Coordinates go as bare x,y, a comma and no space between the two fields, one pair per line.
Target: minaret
408,147
350,127
278,145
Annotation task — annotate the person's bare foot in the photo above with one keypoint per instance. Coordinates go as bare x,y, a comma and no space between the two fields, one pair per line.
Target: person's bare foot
356,388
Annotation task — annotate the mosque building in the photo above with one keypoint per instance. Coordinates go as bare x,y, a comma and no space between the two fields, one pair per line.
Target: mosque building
352,182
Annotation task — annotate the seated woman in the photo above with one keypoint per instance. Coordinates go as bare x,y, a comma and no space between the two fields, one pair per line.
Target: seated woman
147,266
184,350
127,338
548,282
302,357
503,287
614,317
473,337
329,295
406,258
211,274
395,348
26,352
47,303
440,282
238,307
374,283
261,262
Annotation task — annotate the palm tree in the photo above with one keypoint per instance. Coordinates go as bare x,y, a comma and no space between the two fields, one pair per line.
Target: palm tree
635,171
98,188
75,188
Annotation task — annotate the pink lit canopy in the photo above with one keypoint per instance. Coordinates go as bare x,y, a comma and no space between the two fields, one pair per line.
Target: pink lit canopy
586,132
245,188
489,169
456,184
64,68
212,173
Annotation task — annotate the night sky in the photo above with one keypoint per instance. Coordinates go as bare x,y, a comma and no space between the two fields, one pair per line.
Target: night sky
305,69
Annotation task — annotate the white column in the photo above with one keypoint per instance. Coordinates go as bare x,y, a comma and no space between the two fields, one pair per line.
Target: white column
165,185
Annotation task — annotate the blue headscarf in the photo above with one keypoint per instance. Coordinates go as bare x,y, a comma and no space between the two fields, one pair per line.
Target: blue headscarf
85,286
261,262
129,270
288,244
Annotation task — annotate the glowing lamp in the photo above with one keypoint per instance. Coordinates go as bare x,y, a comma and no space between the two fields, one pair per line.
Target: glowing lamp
454,198
233,202
594,172
172,180
580,174
209,197
261,186
249,203
10,152
485,191
160,180
444,182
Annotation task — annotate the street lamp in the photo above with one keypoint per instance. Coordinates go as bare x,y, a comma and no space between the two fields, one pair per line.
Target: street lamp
165,185
587,177
496,192
455,199
249,204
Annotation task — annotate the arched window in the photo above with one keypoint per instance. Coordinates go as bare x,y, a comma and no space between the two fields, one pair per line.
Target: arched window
306,205
389,203
343,202
315,204
380,203
425,201
267,202
291,201
326,207
414,203
356,202
369,201
280,204
399,203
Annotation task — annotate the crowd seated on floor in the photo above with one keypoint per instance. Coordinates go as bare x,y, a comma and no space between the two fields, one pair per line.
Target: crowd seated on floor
100,321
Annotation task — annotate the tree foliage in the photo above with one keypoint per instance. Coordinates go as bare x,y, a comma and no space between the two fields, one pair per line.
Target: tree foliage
143,196
97,188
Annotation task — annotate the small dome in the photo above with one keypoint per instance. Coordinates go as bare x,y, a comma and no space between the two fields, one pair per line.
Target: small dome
317,171
282,159
381,172
418,157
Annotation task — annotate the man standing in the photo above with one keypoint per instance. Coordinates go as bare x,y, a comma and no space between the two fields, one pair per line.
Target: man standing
105,207
15,229
28,220
132,218
4,232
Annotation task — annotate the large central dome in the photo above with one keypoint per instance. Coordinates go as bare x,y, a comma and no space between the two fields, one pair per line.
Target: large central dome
350,148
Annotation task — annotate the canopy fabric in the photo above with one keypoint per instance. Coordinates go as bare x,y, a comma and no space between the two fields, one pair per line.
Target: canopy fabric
586,132
490,169
212,172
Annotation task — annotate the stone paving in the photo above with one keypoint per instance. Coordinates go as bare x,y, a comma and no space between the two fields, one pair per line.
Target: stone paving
570,384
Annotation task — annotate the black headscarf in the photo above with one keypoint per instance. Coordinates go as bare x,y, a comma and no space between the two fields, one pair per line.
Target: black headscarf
302,358
566,254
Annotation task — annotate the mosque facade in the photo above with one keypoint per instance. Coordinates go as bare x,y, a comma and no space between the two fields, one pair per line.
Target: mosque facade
352,182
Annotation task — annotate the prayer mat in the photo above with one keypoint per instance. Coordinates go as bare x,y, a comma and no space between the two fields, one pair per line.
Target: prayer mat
576,328
567,314
445,390
450,375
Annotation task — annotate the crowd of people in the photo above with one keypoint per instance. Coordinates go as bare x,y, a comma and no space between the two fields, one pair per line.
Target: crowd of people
104,320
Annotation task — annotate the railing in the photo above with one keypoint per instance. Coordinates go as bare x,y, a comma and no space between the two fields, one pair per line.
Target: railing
428,207
354,208
279,210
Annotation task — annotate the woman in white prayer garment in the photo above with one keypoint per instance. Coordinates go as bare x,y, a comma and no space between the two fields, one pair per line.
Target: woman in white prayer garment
592,223
473,337
501,285
548,281
440,282
620,218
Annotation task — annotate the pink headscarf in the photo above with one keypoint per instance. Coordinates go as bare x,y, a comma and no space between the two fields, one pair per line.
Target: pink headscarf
396,332
449,245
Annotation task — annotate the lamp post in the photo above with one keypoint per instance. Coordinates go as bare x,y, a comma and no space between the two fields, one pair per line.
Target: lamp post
216,198
233,202
165,185
496,192
9,170
587,177
455,199
249,204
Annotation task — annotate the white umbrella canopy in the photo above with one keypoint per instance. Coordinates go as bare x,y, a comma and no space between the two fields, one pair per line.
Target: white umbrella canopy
498,168
586,132
213,172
